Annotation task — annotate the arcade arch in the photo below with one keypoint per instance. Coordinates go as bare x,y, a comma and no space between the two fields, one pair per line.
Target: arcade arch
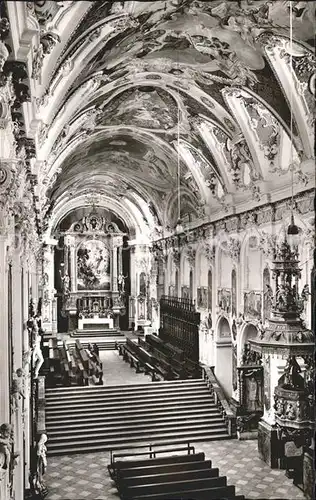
224,355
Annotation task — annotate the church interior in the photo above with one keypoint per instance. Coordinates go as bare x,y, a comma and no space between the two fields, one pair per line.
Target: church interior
157,278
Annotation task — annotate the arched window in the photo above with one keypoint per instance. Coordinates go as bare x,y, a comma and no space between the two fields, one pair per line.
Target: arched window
142,284
209,290
177,283
191,285
267,294
234,292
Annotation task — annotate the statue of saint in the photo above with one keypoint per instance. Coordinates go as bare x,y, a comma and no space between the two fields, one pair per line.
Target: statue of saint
234,329
121,283
66,283
6,444
17,386
41,457
38,358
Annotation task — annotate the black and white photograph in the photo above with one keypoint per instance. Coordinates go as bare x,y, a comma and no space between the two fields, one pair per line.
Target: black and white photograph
157,249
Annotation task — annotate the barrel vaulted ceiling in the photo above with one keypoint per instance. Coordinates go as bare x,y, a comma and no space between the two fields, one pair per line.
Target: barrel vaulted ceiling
125,95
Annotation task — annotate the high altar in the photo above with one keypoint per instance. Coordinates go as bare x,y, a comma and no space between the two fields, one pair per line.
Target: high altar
91,274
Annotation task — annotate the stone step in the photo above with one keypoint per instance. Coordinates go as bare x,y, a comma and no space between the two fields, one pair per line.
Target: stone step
130,396
177,437
87,419
96,333
164,402
129,430
128,421
126,412
127,387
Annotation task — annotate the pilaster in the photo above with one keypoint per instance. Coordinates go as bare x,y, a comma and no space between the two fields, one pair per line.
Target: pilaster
4,340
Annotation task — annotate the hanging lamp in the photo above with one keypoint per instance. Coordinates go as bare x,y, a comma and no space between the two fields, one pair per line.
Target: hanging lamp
292,230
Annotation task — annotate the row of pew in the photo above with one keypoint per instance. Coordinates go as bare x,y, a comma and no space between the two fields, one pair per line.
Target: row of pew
175,477
74,366
140,359
162,361
182,365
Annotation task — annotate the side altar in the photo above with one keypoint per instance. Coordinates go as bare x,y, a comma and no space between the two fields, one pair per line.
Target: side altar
92,283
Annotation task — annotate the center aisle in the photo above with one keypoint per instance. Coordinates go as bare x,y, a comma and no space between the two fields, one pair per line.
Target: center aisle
117,372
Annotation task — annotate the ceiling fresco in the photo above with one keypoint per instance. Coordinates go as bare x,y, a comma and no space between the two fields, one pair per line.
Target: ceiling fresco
130,80
144,107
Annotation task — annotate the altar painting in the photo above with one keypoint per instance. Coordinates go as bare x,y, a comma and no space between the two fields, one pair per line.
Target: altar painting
93,266
252,305
202,297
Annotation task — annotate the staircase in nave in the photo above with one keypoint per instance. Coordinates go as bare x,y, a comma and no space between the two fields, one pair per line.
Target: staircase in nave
96,418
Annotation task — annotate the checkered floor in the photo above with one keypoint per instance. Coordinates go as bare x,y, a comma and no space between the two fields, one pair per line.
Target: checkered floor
85,477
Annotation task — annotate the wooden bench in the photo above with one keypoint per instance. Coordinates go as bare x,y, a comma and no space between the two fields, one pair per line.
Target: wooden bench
146,360
162,363
183,366
85,360
176,352
164,468
129,356
118,465
167,477
174,487
80,373
206,493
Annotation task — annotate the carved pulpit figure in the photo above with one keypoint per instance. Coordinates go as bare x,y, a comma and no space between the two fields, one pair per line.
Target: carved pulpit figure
291,378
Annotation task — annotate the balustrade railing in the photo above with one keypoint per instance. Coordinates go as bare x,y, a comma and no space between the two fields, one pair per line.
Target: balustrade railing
220,400
180,324
181,303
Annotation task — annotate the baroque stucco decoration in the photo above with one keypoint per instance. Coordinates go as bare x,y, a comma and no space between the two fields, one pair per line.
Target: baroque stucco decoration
141,87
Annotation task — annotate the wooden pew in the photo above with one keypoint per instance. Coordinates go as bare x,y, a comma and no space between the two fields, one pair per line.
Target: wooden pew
118,465
147,362
162,363
80,372
67,354
84,357
164,468
129,356
168,477
206,493
176,352
182,365
176,487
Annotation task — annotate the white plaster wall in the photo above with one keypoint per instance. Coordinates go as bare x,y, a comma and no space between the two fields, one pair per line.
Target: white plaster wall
226,267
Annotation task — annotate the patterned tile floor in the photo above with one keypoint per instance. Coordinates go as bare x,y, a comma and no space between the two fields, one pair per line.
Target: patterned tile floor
85,477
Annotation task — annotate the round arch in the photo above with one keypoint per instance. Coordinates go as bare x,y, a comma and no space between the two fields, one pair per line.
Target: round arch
224,355
248,331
